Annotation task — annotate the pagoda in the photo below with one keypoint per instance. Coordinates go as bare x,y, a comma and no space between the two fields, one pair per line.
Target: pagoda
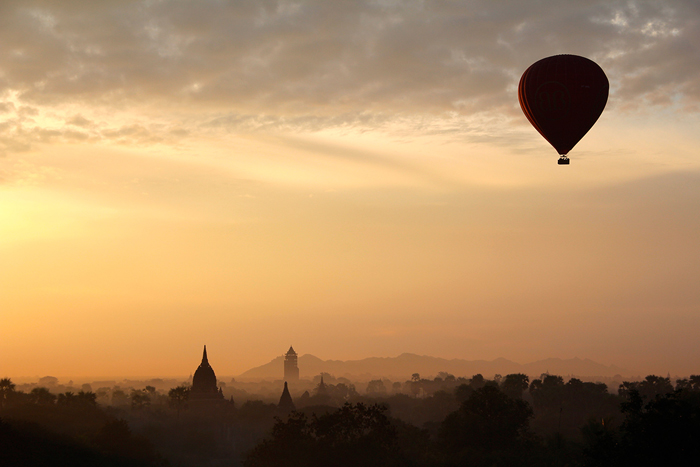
291,370
204,386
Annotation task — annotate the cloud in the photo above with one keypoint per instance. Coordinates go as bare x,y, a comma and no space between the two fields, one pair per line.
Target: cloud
24,127
80,121
315,63
6,107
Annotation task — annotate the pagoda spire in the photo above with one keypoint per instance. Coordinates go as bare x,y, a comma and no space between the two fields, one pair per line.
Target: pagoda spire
286,403
205,361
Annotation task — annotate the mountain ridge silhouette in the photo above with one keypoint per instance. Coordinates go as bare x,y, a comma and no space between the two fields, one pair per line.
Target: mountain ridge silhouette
404,365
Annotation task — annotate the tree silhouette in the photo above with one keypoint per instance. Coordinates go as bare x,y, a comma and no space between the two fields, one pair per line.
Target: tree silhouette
7,389
139,400
82,399
488,424
119,397
689,384
513,385
86,398
547,393
376,386
66,399
42,396
463,392
651,387
445,376
663,431
354,435
177,398
477,381
116,438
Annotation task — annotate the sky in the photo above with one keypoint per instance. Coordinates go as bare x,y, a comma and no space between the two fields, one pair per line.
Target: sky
353,178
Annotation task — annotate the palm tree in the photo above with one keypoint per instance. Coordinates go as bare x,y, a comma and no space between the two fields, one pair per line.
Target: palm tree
67,398
87,398
7,388
42,396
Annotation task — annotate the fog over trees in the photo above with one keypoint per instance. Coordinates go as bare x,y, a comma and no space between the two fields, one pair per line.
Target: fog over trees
443,420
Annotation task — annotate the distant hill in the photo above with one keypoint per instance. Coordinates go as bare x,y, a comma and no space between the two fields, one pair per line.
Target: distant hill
402,367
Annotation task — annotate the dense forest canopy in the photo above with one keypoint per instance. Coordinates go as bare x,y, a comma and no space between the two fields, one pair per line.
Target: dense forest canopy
444,421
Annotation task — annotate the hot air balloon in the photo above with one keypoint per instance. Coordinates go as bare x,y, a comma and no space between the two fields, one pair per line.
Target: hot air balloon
563,96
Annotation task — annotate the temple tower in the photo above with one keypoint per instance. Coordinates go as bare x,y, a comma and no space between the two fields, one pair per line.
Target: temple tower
291,370
321,389
286,404
204,385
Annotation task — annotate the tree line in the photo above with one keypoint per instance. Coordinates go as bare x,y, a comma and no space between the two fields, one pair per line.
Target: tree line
466,422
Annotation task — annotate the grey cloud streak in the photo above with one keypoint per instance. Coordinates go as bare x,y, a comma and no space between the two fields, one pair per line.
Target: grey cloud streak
326,62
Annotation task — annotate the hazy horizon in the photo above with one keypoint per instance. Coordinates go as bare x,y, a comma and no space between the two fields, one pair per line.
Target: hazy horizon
224,375
356,178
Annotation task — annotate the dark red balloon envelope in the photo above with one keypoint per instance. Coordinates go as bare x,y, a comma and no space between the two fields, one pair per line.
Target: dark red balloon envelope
563,96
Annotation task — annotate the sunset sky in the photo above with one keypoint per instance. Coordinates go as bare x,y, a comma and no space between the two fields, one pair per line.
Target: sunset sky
355,178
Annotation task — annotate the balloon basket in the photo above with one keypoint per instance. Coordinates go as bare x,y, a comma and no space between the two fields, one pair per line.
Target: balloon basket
563,160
